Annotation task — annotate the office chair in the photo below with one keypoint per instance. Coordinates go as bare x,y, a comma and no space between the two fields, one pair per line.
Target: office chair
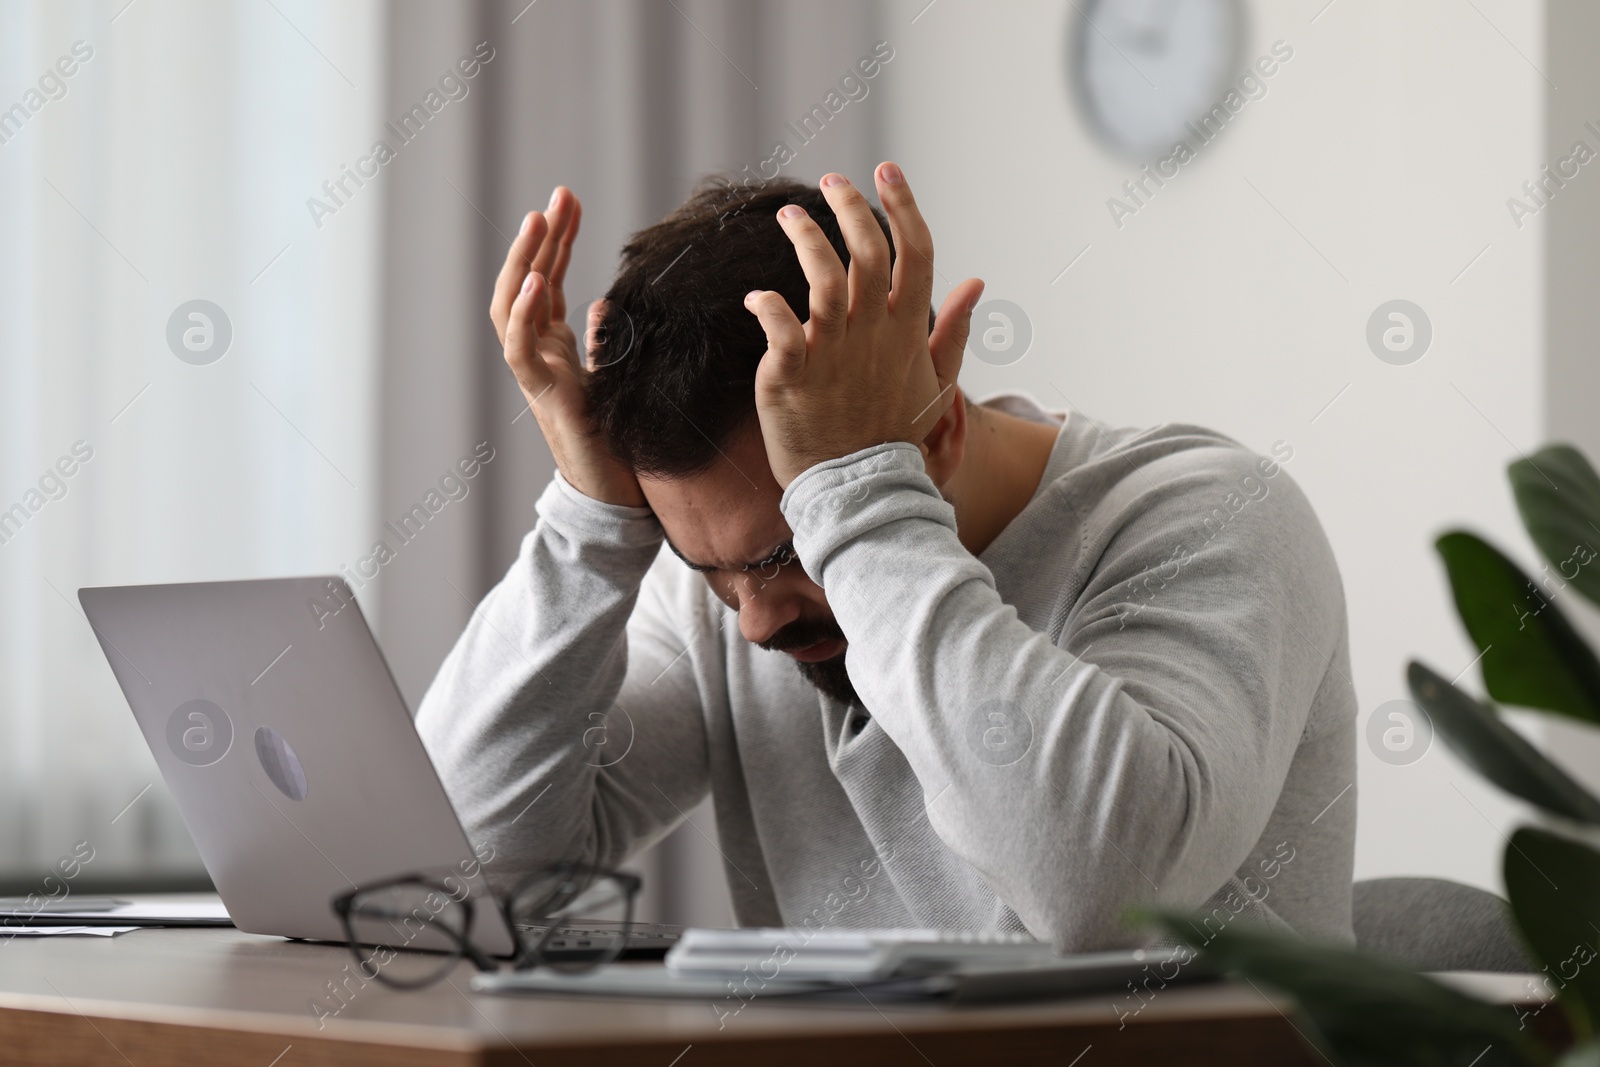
1437,925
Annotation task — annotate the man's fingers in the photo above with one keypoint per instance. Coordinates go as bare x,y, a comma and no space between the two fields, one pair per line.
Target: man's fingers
539,289
912,291
829,292
869,251
558,269
522,338
786,337
543,245
948,341
555,252
515,269
560,214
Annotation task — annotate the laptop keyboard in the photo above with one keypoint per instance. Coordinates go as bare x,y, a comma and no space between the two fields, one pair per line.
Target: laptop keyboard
645,940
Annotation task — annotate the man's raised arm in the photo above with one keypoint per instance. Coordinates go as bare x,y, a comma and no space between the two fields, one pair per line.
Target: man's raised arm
523,720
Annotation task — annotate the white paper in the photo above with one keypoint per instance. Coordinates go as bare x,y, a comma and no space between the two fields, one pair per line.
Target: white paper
63,931
146,913
170,909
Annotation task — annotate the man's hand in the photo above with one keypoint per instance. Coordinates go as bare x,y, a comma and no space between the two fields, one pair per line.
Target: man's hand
530,317
863,369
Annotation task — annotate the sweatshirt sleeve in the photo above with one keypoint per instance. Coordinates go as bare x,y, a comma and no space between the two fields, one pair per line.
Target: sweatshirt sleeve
547,734
1135,756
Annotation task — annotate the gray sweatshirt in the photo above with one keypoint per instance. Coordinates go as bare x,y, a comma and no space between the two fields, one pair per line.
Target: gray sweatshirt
1139,692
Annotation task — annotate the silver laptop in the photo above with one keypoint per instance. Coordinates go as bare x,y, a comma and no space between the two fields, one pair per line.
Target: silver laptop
287,746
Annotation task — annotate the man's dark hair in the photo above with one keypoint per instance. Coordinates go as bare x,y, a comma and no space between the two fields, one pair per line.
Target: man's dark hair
676,364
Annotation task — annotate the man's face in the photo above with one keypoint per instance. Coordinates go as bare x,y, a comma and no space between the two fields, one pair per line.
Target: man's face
725,523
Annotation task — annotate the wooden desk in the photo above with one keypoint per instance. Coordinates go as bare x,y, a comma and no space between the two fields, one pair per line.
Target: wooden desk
158,997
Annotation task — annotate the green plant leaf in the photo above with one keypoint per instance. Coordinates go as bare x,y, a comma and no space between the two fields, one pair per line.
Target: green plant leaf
1358,1008
1581,1056
1558,494
1532,656
1554,886
1474,731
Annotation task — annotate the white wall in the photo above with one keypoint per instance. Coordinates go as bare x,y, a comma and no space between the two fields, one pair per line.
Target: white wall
175,166
1390,141
1570,230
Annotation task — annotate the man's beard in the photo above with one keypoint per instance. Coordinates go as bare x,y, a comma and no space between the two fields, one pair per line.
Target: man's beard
827,675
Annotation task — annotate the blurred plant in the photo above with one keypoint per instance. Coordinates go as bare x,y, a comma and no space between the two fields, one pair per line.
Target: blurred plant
1362,1009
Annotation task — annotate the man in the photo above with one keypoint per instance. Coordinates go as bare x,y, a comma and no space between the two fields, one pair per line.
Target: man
1046,669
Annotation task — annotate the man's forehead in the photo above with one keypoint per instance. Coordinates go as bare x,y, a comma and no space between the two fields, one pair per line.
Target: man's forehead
719,531
725,533
725,517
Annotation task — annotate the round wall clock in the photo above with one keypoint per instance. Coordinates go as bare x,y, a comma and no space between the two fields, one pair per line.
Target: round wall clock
1141,69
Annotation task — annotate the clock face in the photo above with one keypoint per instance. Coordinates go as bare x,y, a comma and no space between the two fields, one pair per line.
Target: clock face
1141,69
